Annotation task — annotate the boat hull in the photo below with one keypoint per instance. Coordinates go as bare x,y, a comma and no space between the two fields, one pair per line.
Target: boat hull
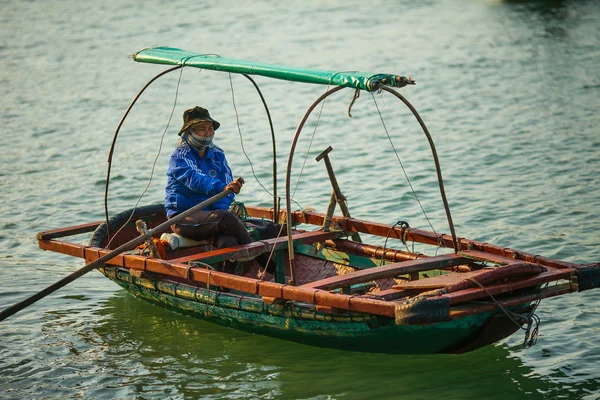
304,323
421,304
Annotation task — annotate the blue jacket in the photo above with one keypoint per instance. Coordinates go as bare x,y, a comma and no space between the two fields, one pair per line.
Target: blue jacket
192,179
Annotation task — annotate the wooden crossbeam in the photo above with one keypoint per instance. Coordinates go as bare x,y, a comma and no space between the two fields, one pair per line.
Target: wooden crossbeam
255,248
486,257
69,231
388,271
412,234
436,282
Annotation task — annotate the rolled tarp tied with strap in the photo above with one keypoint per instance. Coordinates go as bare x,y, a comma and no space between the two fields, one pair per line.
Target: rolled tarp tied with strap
588,276
353,79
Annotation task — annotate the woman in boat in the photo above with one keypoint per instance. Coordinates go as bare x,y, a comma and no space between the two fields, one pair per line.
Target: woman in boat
197,171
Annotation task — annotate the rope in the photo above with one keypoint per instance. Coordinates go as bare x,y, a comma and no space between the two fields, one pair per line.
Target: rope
261,274
440,242
206,313
237,117
534,333
196,264
354,98
531,319
239,209
403,231
310,144
403,225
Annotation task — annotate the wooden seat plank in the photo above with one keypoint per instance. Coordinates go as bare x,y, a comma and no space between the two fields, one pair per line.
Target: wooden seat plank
486,257
389,271
255,248
389,294
436,282
69,231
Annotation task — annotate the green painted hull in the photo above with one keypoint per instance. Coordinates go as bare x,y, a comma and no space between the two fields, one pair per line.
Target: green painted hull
303,323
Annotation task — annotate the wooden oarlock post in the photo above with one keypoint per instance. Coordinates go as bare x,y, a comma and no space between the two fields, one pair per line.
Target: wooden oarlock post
143,229
329,214
336,195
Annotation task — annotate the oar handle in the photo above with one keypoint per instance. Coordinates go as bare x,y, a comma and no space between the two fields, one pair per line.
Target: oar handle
132,244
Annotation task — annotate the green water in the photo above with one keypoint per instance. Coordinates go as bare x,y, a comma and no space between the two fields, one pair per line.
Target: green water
509,91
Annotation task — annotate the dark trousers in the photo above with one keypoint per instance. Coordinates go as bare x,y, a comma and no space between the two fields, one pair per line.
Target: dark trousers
222,225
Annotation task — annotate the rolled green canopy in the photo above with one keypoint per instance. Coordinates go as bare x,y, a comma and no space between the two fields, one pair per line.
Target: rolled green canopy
353,79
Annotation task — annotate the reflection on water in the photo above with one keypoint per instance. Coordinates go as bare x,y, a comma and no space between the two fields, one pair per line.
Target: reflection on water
551,16
146,350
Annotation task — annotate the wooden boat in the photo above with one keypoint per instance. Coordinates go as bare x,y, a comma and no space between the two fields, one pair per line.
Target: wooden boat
327,288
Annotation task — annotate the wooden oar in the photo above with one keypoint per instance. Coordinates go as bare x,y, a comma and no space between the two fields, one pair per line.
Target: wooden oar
132,244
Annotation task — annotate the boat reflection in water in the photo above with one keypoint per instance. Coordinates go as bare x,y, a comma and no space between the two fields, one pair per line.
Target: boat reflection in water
157,351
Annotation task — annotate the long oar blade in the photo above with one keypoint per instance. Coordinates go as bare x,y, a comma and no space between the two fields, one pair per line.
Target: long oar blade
132,244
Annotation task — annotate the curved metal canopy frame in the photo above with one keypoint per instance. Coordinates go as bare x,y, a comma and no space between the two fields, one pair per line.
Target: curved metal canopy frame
288,199
112,147
114,141
275,200
436,160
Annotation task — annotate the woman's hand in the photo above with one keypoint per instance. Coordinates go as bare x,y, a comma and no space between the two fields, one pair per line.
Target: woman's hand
236,185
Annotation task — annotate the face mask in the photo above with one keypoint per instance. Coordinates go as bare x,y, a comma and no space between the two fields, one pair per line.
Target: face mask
199,143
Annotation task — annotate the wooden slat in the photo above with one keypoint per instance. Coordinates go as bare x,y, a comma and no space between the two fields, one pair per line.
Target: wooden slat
388,271
513,301
412,234
267,289
71,249
356,225
69,231
476,293
436,282
552,275
373,251
389,294
486,257
256,248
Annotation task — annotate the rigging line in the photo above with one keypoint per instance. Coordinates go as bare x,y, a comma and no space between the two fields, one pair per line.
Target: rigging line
534,321
302,169
506,311
404,171
386,240
530,318
155,159
310,143
237,117
380,97
300,175
262,274
114,141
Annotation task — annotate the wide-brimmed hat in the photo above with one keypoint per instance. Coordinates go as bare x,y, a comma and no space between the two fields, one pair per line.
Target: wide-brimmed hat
195,115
